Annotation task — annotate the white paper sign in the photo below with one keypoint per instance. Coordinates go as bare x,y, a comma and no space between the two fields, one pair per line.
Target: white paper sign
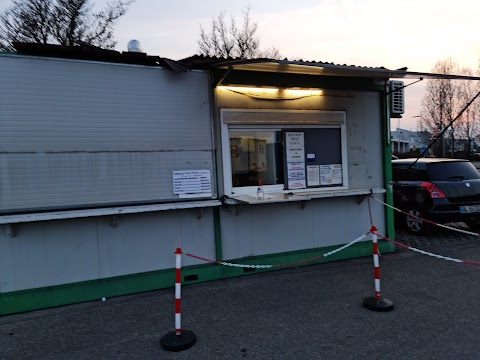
295,146
296,175
313,175
331,174
192,182
295,150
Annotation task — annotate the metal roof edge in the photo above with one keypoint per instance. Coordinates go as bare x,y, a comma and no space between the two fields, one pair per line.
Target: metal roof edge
93,53
211,63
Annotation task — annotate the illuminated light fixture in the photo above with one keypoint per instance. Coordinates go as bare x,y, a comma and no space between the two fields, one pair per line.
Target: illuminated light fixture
269,93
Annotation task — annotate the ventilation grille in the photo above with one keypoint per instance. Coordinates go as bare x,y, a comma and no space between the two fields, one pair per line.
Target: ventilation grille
396,98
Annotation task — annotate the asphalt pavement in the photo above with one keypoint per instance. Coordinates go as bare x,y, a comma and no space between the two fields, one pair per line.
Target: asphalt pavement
309,312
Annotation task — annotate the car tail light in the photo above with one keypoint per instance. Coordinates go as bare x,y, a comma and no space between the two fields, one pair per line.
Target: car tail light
434,191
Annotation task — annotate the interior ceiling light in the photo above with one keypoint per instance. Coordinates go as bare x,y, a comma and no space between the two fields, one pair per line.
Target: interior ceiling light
269,93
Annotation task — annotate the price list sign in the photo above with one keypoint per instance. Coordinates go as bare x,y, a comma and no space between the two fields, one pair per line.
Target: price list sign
192,182
295,151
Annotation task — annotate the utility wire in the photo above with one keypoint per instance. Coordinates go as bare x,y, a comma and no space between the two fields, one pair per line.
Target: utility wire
445,129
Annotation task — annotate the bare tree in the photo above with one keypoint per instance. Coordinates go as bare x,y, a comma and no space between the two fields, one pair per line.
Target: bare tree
439,105
26,21
270,53
229,40
65,22
468,127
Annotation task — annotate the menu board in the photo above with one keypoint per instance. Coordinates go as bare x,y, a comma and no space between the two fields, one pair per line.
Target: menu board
295,155
313,157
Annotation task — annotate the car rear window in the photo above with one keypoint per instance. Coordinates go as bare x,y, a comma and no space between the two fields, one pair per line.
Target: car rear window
452,171
406,173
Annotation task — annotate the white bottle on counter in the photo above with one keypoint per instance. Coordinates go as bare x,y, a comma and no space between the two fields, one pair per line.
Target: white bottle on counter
260,193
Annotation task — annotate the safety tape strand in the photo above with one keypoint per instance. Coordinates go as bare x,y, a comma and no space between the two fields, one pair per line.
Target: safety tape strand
428,221
251,266
423,252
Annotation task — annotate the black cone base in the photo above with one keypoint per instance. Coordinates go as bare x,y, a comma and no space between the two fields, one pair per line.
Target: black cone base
374,304
173,342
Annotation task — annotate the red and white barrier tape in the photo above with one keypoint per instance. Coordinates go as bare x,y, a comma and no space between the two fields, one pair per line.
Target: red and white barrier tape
428,221
279,265
468,262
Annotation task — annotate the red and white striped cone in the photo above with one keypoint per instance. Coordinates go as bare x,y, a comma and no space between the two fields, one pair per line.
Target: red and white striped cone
377,303
179,339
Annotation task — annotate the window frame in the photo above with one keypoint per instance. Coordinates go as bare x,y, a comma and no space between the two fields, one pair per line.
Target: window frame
280,120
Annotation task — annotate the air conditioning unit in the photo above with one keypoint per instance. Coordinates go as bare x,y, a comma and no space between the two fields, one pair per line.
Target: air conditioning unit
397,99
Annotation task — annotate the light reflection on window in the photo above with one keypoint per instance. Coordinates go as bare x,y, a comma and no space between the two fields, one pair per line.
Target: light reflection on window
256,155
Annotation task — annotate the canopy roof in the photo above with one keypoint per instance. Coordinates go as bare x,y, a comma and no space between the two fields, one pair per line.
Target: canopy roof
311,68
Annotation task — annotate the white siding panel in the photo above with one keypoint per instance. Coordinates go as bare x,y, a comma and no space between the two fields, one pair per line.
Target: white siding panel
54,105
49,253
147,242
54,180
273,228
76,133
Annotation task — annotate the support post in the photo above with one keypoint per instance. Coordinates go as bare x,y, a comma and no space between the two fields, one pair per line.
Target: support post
179,339
377,303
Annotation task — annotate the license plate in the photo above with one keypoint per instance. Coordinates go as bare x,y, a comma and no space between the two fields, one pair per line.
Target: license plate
470,209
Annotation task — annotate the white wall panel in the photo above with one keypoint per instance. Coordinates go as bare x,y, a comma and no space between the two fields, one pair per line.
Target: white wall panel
57,180
60,252
75,133
272,228
49,253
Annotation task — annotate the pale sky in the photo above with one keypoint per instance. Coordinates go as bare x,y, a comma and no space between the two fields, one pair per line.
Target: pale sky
389,33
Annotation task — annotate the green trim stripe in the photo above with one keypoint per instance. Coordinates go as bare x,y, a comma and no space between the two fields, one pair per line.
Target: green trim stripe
387,166
51,296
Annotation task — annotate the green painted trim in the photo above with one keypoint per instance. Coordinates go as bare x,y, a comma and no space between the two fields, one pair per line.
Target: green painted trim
52,296
218,234
387,166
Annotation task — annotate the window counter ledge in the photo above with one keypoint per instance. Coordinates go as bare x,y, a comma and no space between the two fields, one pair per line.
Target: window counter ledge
134,209
297,196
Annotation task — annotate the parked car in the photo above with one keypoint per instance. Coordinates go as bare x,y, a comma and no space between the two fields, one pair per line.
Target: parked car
436,189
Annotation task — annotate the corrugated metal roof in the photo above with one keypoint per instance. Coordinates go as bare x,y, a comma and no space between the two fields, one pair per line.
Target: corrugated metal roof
321,68
87,52
311,68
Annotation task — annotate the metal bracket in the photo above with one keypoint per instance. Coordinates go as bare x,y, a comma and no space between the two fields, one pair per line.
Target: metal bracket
113,221
300,204
360,198
235,209
9,230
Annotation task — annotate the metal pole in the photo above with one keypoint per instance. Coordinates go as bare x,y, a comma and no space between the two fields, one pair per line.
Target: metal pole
376,266
178,291
376,303
179,339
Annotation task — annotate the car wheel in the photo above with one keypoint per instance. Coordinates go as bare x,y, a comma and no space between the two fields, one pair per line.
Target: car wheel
415,225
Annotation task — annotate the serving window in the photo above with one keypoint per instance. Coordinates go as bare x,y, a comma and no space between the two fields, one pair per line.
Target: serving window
287,151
